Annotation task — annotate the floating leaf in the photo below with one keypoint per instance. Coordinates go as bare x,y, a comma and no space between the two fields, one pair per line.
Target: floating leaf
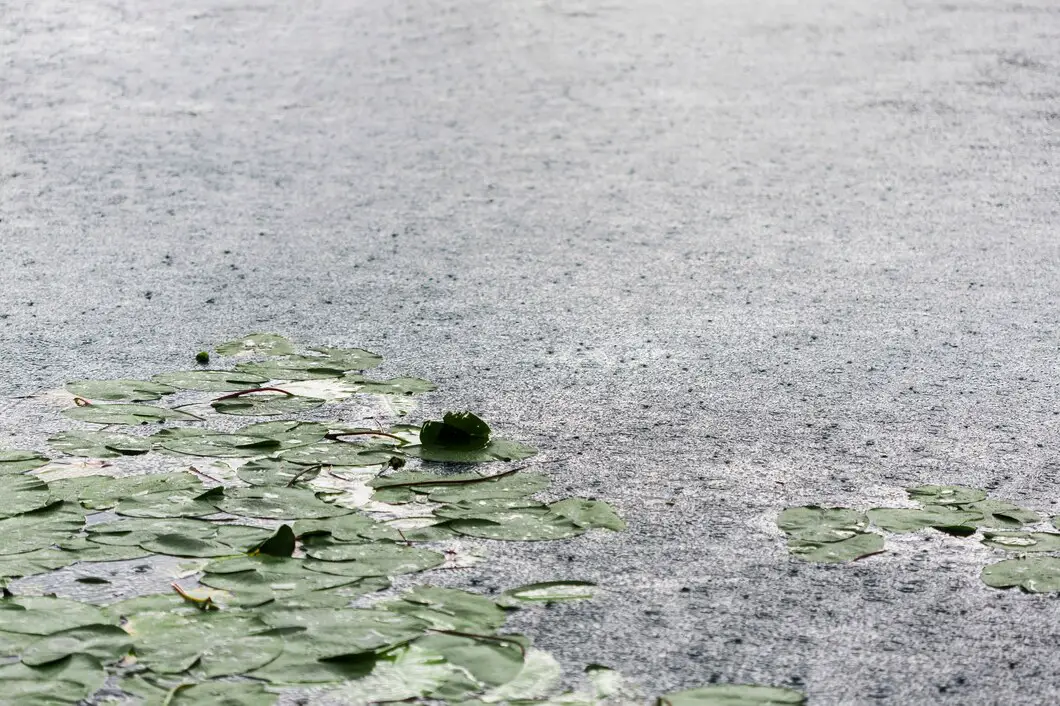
734,695
589,513
548,592
276,472
458,431
492,662
216,546
946,494
495,450
354,527
375,559
1023,541
265,404
517,485
288,433
107,643
486,507
221,445
859,545
214,693
44,615
66,681
31,563
1035,574
130,414
393,386
17,461
541,673
211,380
39,529
112,390
821,524
99,444
257,343
279,544
518,525
403,673
997,513
22,494
335,362
187,503
350,358
104,492
340,453
450,609
306,659
277,503
342,632
83,550
902,520
265,578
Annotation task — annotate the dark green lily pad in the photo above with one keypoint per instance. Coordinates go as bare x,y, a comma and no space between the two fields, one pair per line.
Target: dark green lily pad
265,404
184,503
212,380
114,390
1023,541
128,414
278,503
100,444
457,431
107,643
280,543
288,433
821,524
1034,574
276,472
18,461
258,344
495,450
857,546
946,494
903,520
734,695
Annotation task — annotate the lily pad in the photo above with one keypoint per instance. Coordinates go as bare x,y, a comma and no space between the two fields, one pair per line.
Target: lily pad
212,380
495,450
375,559
517,485
857,546
259,344
341,632
18,461
131,532
903,520
518,525
1035,574
393,386
734,695
114,390
589,513
1023,541
31,563
340,453
288,433
1000,514
457,431
128,414
821,524
44,615
104,492
450,609
268,578
22,494
107,643
265,404
548,592
278,503
946,494
66,681
355,527
491,662
100,444
334,362
276,472
39,529
184,503
281,543
220,445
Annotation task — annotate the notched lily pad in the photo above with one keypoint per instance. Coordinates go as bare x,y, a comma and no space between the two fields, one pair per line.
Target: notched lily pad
1001,515
114,390
1034,574
821,524
340,453
107,643
860,545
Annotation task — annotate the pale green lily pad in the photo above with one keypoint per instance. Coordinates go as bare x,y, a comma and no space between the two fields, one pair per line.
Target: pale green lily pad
127,414
518,525
1023,541
19,461
263,578
821,524
490,662
278,503
860,545
339,632
393,386
484,508
589,513
44,615
107,643
903,520
166,503
340,453
450,609
287,432
1000,514
258,344
946,494
221,445
66,681
307,658
734,695
495,450
39,529
355,527
375,559
212,693
83,550
548,592
276,472
114,390
265,404
517,485
212,380
131,532
21,494
1035,574
31,563
100,444
334,362
104,492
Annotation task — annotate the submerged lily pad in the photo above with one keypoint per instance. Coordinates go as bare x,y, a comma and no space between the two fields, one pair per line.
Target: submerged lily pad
257,343
100,444
114,390
265,404
821,524
1035,574
857,546
734,695
128,414
18,461
211,380
946,494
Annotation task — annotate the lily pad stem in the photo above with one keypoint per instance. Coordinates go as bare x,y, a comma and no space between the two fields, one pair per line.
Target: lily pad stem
462,481
256,389
314,467
336,437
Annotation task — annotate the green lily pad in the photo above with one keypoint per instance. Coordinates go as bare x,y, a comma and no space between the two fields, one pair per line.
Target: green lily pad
22,494
734,695
259,344
39,529
166,503
821,524
375,559
517,485
66,681
216,546
343,632
340,453
354,527
495,450
589,513
1023,541
265,404
276,472
306,659
278,503
131,532
946,494
450,609
1000,514
548,592
288,433
221,445
518,525
18,461
485,508
393,386
82,549
99,444
212,380
490,662
44,615
281,543
128,414
104,492
107,643
31,563
211,693
857,546
462,431
263,578
113,390
1034,574
334,362
903,520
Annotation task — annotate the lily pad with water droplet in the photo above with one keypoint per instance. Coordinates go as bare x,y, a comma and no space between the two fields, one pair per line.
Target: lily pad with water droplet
821,524
589,513
857,546
946,494
115,390
257,344
212,380
100,444
1023,541
1034,574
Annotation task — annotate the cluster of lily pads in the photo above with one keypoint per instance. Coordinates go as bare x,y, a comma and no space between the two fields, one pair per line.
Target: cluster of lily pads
294,531
839,534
